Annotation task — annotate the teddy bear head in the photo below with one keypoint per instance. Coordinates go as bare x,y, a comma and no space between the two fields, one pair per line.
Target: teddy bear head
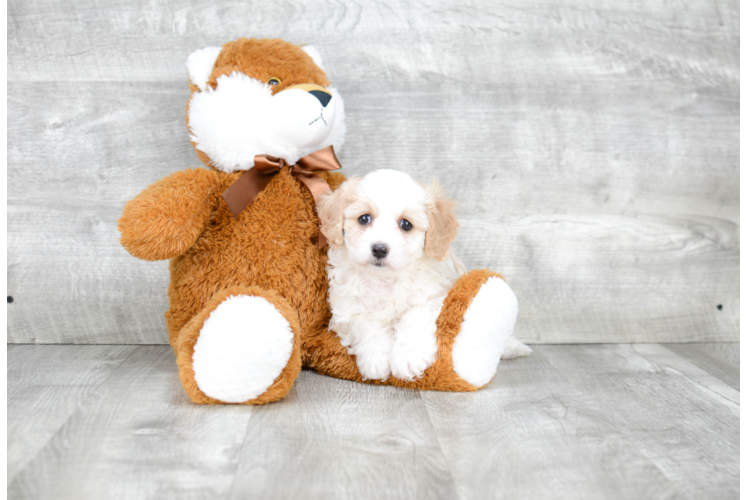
260,97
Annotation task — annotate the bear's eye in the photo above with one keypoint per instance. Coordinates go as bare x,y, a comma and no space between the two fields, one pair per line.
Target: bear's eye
274,82
405,225
364,219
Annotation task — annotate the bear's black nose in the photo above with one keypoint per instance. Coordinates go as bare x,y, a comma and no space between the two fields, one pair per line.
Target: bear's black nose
379,250
322,97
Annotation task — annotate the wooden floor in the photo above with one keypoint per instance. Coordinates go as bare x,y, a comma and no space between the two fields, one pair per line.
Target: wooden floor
628,421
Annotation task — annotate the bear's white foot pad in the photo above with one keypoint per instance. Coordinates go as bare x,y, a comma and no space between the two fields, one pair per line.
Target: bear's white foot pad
243,346
485,332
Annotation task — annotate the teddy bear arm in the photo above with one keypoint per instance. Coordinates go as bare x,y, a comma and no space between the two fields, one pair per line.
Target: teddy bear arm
166,218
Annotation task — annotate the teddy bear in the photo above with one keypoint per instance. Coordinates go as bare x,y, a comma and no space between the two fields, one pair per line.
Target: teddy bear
248,286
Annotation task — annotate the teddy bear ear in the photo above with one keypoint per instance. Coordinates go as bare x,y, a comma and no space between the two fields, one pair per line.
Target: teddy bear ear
314,54
200,65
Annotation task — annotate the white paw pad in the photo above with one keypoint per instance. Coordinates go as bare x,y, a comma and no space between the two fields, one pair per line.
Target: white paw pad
485,332
243,346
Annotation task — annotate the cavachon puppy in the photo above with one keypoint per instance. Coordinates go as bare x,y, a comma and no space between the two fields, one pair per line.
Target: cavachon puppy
390,268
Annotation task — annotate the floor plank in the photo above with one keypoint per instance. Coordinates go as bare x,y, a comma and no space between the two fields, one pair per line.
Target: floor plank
596,421
570,421
688,425
533,434
138,436
720,359
337,439
47,384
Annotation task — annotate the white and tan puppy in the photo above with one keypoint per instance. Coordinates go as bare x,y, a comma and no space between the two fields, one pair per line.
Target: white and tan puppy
390,268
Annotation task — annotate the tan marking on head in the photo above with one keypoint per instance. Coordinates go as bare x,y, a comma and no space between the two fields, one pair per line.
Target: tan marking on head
443,225
418,218
332,211
359,206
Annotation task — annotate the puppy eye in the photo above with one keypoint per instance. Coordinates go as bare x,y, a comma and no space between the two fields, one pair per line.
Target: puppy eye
364,219
405,225
273,82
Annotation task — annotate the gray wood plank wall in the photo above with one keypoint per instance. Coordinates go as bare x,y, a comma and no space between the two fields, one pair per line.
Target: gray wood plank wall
593,147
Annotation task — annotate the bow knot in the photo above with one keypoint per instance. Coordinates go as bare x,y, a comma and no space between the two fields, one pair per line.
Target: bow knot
251,183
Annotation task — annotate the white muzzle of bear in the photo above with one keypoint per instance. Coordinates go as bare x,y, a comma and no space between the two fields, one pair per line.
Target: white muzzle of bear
241,118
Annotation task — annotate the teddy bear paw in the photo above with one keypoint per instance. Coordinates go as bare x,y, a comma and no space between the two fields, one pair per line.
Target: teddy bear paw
243,346
486,329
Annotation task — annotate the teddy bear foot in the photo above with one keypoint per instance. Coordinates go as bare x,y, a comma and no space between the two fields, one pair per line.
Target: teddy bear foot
245,351
486,333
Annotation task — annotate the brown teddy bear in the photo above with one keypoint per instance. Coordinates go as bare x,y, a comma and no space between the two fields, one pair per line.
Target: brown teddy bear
248,292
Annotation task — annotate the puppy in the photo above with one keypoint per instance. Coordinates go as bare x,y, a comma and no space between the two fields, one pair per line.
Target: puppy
390,268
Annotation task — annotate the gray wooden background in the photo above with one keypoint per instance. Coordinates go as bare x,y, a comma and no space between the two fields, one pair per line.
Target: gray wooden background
593,146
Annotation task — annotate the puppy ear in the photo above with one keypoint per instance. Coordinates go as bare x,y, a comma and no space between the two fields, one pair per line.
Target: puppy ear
443,225
330,211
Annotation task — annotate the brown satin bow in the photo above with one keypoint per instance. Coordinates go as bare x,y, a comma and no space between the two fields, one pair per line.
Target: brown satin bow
251,183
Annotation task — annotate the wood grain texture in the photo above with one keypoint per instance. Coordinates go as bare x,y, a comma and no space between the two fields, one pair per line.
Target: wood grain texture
536,40
593,147
578,422
47,384
721,360
331,439
616,421
70,279
138,436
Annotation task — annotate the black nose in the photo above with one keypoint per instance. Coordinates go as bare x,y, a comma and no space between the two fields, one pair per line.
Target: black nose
379,250
322,97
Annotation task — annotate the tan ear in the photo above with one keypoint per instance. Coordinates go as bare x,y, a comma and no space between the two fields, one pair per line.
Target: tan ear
330,211
443,225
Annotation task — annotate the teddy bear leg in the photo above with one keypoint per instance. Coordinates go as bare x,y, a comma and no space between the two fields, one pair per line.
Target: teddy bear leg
243,347
486,332
473,333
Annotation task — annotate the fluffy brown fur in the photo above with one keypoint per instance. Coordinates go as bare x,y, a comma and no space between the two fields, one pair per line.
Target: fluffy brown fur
270,250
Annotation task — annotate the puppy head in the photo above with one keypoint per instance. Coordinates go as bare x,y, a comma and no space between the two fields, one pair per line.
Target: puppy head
387,220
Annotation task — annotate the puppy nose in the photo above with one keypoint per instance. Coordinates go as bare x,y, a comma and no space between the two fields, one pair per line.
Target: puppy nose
379,250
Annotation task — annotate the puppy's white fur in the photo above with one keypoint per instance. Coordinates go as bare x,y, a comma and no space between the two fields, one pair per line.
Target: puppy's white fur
384,310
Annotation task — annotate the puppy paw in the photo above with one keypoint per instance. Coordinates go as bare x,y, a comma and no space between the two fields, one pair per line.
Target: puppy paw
407,365
415,346
373,366
515,349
